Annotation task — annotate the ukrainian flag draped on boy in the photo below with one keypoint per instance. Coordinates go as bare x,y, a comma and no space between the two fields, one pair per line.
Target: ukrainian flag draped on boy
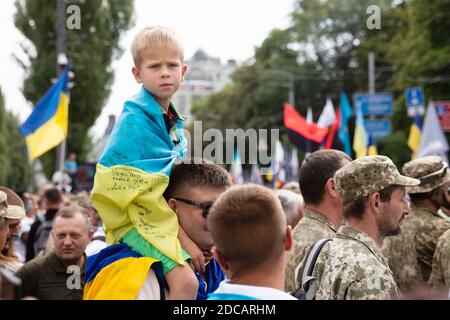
133,173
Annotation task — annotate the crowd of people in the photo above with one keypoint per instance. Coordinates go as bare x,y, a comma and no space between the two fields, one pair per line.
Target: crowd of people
386,238
158,225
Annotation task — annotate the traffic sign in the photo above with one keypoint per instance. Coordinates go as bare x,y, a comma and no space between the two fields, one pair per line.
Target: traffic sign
415,101
378,128
373,103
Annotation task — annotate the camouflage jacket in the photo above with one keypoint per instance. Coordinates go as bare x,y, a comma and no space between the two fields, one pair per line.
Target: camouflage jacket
410,254
440,274
311,228
352,267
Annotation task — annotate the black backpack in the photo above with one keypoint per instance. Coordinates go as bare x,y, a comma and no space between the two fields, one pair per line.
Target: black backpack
307,283
42,234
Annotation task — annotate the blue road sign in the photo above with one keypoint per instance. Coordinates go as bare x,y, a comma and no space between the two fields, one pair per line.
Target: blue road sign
377,128
415,101
373,104
414,97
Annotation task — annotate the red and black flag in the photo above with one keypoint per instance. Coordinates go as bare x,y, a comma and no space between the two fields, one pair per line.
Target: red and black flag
307,136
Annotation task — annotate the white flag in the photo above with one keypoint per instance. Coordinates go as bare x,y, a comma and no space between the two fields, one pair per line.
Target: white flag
279,162
255,176
328,116
309,115
236,172
309,119
294,163
433,140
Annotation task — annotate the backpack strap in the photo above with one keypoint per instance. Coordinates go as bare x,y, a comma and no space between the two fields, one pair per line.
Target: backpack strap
307,283
102,238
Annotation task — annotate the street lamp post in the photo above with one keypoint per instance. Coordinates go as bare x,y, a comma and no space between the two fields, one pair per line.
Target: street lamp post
61,62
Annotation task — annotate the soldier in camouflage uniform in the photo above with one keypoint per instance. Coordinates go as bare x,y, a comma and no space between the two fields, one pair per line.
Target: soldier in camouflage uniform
410,254
440,274
351,266
324,211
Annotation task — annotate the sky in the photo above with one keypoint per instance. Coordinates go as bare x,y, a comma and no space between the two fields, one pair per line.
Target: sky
228,29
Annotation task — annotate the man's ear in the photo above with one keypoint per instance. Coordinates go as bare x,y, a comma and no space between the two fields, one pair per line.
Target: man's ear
331,188
223,264
375,202
288,238
90,235
172,204
137,74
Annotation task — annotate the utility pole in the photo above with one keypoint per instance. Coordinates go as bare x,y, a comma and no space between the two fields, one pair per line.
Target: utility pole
291,89
61,62
371,71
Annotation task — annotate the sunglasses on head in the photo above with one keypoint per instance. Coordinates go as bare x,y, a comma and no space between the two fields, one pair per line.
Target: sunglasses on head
205,206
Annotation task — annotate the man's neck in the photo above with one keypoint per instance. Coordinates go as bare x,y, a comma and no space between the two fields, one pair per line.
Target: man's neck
268,276
368,226
330,211
79,262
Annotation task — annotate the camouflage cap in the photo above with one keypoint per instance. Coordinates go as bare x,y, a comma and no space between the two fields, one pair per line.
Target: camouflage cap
15,208
3,205
367,175
431,170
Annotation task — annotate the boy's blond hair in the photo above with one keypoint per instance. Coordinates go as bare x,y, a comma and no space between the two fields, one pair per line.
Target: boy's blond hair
151,37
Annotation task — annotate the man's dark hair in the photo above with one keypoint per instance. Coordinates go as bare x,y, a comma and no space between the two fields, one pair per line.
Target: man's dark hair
195,172
315,171
356,208
53,196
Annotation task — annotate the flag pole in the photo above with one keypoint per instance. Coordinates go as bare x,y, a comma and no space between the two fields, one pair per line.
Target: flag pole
61,62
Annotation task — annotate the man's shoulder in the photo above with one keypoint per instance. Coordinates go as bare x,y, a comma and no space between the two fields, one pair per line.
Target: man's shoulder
350,251
350,259
309,230
35,266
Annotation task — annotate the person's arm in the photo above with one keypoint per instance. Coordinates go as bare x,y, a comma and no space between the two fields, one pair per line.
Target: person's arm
198,259
371,288
29,274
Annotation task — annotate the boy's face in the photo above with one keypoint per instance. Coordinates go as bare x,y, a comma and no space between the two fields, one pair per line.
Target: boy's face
161,72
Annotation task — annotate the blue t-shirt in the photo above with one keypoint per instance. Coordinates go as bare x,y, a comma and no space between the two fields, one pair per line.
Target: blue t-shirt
71,166
213,276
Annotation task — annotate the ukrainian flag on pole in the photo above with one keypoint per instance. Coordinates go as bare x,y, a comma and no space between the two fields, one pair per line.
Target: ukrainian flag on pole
360,140
371,146
415,135
46,126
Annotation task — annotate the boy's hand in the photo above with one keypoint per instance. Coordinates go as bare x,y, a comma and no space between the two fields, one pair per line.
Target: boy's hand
208,254
198,260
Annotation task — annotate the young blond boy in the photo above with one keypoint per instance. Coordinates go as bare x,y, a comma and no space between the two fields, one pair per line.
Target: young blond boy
158,66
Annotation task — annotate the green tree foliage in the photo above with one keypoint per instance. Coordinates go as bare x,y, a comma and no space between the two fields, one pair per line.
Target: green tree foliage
324,51
15,168
4,160
91,50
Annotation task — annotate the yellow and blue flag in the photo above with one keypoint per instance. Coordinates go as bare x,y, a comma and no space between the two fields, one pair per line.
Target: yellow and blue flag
118,273
47,125
360,140
415,136
372,149
132,175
